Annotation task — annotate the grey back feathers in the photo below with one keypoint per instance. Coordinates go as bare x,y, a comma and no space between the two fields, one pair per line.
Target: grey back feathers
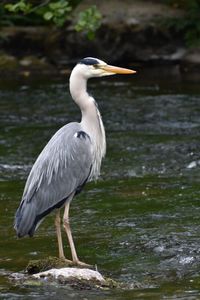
59,172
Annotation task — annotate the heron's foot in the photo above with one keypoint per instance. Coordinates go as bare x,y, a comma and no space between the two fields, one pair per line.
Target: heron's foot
81,264
68,261
77,262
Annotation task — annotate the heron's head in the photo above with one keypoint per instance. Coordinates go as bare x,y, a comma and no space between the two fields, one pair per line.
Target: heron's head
93,67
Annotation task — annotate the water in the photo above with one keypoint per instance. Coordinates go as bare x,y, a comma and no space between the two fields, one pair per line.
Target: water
140,222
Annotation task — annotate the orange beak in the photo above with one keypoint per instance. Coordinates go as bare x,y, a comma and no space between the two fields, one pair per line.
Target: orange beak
117,70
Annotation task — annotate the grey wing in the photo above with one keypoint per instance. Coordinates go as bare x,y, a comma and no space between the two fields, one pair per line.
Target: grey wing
60,171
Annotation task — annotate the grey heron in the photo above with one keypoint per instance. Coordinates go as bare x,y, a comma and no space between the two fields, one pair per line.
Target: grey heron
71,158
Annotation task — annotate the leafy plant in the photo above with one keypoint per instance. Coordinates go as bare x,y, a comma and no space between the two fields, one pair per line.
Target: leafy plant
20,6
58,12
89,21
55,12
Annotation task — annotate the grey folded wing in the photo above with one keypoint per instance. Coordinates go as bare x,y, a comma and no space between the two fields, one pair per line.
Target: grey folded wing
60,171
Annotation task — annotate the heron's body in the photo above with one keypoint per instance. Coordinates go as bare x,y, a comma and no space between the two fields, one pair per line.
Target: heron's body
61,170
71,158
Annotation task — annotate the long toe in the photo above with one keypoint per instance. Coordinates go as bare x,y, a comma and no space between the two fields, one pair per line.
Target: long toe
67,261
81,264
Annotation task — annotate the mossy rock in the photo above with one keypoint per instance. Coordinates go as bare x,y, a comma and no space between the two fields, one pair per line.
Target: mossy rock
77,278
41,265
35,267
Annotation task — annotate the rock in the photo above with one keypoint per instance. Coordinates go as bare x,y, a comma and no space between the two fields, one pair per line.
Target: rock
24,40
34,62
77,278
192,56
130,11
8,62
41,265
193,164
74,277
191,61
65,275
54,270
131,31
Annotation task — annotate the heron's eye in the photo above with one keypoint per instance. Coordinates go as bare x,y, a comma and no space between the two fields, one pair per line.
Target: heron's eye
96,66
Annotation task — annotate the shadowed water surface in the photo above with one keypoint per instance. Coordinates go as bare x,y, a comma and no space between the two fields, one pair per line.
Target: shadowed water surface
140,222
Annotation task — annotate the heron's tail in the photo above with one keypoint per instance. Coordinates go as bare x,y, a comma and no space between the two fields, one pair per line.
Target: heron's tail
25,216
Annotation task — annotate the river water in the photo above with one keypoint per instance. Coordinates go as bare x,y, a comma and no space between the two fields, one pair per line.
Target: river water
140,222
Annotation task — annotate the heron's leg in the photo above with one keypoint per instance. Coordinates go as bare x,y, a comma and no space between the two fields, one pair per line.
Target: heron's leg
68,232
66,225
59,237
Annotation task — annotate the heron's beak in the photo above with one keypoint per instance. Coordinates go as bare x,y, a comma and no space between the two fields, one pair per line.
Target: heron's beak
116,70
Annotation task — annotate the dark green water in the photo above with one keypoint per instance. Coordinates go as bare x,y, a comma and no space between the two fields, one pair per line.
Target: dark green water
140,222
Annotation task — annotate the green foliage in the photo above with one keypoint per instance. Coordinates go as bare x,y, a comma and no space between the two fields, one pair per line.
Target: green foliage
89,21
20,6
57,12
190,22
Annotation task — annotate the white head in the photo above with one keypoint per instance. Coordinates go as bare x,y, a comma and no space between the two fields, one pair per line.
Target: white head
87,68
93,67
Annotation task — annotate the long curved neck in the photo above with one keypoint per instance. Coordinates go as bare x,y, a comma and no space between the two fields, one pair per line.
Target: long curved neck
78,89
91,121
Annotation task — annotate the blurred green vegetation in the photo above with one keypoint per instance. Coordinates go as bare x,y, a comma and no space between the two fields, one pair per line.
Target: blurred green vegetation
90,21
189,24
59,12
52,12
